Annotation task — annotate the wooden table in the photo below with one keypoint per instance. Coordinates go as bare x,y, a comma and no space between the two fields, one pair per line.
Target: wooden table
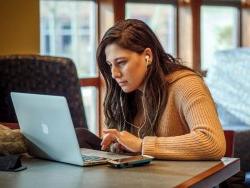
46,174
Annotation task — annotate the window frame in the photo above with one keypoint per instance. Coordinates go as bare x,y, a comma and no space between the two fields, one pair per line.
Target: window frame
176,18
195,6
229,3
224,3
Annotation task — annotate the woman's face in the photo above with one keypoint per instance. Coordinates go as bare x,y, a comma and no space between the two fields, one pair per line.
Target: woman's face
128,68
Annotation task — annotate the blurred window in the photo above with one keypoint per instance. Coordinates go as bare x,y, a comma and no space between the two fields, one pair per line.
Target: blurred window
89,95
219,31
160,17
68,28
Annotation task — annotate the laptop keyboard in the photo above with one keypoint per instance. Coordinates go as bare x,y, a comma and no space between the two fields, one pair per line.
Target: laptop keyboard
92,158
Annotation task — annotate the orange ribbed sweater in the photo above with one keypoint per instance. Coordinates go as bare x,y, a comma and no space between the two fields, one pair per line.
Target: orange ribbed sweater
189,128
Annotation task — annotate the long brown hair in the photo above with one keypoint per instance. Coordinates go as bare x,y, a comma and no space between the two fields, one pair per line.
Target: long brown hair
119,107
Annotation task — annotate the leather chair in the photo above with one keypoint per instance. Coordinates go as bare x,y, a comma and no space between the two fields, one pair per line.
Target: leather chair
41,75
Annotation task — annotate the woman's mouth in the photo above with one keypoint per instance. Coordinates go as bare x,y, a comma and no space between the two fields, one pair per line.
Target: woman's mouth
122,83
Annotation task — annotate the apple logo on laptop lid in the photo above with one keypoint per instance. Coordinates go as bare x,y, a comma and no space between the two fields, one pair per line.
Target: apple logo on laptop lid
45,128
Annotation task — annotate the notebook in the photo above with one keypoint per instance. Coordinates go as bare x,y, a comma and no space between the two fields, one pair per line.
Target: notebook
46,123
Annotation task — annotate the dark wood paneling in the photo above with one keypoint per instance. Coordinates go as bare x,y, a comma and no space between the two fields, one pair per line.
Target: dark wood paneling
84,82
119,9
195,6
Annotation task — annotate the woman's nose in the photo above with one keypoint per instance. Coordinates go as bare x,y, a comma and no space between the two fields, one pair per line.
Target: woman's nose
115,73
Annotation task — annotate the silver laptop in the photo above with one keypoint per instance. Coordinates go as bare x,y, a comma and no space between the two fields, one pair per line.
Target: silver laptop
46,123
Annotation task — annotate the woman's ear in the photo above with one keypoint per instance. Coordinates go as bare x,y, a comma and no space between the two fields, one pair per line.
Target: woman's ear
148,56
147,61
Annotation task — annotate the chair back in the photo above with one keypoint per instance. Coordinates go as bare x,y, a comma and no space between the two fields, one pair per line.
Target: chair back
40,75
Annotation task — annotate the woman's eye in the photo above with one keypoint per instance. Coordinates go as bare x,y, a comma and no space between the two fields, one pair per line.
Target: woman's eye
121,63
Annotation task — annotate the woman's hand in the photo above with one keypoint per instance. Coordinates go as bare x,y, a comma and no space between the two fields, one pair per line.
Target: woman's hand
127,141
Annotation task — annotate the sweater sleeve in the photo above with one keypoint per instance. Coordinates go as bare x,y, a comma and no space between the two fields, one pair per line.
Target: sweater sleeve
205,141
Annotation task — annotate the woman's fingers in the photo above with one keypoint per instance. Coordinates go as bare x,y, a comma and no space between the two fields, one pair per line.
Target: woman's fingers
127,141
110,135
106,141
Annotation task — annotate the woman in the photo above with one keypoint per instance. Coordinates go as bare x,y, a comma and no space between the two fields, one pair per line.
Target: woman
153,104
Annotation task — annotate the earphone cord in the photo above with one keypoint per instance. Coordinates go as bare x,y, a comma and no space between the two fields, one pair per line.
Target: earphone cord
146,115
125,121
157,111
146,112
